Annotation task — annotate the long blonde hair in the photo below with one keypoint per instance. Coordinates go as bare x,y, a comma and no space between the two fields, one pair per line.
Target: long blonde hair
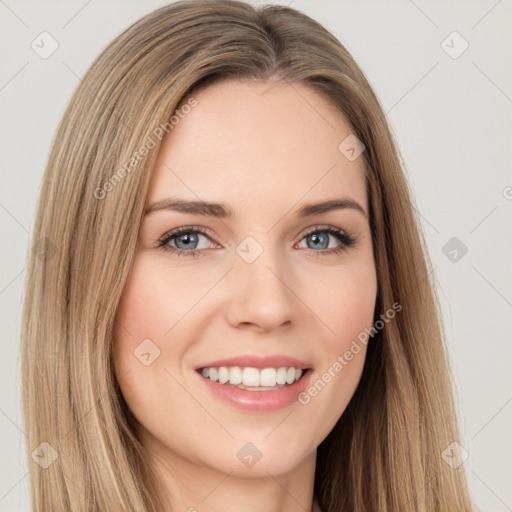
385,452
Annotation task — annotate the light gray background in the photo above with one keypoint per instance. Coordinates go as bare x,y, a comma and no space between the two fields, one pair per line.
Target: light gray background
452,121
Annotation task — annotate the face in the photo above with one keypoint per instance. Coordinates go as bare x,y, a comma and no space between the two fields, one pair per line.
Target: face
252,280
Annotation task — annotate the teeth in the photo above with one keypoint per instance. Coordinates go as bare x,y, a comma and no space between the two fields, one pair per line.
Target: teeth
281,375
213,374
268,377
235,375
253,377
223,375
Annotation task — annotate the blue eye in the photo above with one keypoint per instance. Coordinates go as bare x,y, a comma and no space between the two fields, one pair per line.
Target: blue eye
319,239
186,239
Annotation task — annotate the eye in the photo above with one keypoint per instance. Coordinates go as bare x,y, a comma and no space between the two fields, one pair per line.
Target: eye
319,238
185,239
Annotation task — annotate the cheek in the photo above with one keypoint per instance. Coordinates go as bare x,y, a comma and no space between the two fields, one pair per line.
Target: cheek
350,309
153,309
159,295
344,299
144,315
150,306
141,351
347,310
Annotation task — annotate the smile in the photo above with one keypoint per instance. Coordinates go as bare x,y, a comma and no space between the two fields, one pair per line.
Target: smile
248,377
264,391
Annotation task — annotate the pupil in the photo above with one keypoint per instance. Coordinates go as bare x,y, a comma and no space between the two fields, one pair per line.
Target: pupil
317,240
187,239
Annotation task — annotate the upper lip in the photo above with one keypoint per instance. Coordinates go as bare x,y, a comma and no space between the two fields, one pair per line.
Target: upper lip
260,362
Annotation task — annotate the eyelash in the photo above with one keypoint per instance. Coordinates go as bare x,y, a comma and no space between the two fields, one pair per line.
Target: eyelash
346,240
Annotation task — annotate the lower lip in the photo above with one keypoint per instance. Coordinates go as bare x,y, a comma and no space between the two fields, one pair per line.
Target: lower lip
264,401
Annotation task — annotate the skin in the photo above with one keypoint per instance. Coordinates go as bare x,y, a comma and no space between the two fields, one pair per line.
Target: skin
263,149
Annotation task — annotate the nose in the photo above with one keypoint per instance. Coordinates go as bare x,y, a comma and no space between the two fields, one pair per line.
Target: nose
261,294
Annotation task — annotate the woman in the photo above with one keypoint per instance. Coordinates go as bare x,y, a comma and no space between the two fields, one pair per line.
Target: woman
230,304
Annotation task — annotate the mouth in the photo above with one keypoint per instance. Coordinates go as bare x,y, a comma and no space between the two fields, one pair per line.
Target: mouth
255,389
254,379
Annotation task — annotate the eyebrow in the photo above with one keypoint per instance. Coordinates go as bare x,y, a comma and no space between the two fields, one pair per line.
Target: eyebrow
222,211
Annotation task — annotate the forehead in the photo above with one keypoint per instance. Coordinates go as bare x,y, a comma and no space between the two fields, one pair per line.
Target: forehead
258,143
